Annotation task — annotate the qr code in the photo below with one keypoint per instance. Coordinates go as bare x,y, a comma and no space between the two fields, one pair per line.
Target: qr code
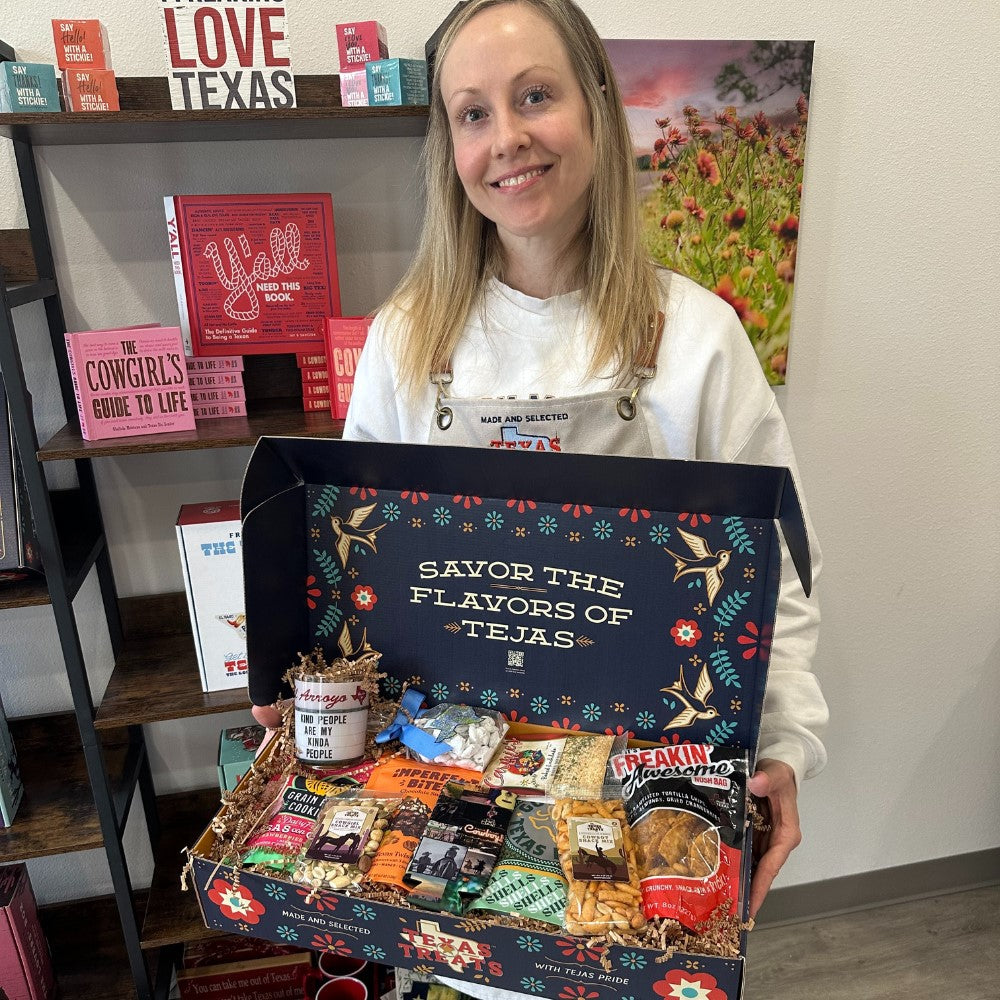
515,657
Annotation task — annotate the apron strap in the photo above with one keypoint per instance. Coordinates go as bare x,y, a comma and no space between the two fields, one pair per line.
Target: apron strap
441,375
644,367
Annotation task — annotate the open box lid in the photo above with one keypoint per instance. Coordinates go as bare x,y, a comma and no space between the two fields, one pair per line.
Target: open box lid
600,593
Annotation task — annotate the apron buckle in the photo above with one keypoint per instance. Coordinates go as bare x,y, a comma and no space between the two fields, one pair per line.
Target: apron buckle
444,414
626,404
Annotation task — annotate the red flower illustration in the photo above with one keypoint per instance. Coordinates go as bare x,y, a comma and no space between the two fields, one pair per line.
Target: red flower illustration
467,502
696,519
235,901
580,950
673,739
363,492
364,597
325,942
514,716
522,505
311,592
678,983
578,993
619,731
564,723
319,900
576,508
673,220
685,633
414,496
755,641
668,178
633,513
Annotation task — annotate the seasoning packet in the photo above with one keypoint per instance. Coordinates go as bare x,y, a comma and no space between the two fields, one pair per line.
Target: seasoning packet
528,880
291,817
344,840
582,767
524,762
596,851
420,786
687,808
459,847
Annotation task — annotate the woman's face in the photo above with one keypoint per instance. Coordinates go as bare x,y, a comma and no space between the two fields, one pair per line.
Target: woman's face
520,126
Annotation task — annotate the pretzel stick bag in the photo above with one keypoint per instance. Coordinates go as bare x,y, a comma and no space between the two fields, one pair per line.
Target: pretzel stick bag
686,806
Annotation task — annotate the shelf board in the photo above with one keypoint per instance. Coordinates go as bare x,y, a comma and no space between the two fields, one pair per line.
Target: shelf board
80,542
173,915
57,814
88,952
21,293
118,127
269,416
156,675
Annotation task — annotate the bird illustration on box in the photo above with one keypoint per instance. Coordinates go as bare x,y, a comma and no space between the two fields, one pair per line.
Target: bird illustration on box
695,704
705,561
238,622
360,534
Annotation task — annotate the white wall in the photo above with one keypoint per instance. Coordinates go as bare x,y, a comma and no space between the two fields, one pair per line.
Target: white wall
892,398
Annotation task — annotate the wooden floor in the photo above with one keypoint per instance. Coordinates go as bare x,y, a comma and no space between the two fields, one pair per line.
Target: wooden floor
941,948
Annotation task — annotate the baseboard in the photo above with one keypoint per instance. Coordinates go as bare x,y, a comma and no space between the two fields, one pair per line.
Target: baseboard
880,888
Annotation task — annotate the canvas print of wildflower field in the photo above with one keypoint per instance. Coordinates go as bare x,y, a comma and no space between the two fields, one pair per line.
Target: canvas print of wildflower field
719,130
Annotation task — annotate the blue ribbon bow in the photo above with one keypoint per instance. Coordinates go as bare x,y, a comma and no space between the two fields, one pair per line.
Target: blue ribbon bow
401,728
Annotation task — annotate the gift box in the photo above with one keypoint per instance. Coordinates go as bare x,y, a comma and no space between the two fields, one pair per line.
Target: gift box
25,967
577,592
360,42
237,748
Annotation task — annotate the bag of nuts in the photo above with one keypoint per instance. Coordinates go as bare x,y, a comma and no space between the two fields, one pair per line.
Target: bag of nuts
595,851
347,834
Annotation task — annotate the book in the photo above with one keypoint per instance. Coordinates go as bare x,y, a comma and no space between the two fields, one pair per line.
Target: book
230,394
18,542
228,54
90,90
215,380
220,364
254,274
310,360
316,389
28,87
237,748
11,787
312,404
81,44
129,381
211,548
360,42
314,373
345,339
25,966
206,411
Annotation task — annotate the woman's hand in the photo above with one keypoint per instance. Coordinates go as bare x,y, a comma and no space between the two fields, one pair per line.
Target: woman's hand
774,783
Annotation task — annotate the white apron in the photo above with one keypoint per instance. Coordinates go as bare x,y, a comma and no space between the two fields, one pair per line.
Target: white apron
598,423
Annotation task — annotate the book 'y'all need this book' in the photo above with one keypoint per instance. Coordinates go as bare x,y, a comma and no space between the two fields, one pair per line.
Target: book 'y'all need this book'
254,273
228,54
345,339
28,87
130,381
211,549
81,44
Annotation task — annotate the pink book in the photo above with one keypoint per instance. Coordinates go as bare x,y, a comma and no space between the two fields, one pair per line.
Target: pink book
224,394
213,380
207,365
345,337
130,381
25,969
205,411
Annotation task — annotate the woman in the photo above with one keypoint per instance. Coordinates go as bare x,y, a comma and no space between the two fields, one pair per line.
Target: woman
530,295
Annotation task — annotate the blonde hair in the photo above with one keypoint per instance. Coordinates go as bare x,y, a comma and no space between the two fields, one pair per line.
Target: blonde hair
459,249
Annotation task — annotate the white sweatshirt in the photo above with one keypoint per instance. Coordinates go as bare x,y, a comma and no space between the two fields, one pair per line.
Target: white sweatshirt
708,400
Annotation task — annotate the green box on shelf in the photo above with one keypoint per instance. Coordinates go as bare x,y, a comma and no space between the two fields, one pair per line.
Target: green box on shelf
237,748
28,87
394,82
594,554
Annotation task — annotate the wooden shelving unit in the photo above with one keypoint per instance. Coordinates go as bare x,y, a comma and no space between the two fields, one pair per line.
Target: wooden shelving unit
82,770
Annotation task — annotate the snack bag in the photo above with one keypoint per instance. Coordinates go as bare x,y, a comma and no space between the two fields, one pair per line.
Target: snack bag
582,767
686,805
470,735
595,851
525,763
528,880
291,818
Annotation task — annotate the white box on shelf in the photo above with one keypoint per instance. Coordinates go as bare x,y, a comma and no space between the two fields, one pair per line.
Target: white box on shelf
211,551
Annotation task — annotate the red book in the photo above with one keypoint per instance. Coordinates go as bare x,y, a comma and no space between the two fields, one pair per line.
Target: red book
254,274
317,389
310,360
314,373
311,404
25,968
90,90
130,381
81,44
345,337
